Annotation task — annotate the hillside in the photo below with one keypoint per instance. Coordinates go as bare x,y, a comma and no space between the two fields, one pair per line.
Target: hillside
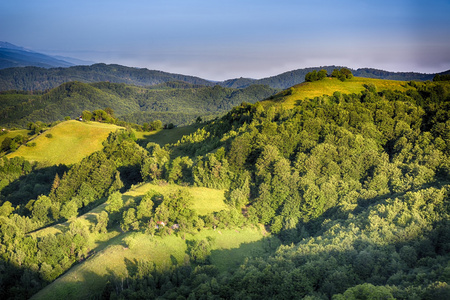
12,56
177,104
115,250
354,185
293,96
66,143
291,78
33,78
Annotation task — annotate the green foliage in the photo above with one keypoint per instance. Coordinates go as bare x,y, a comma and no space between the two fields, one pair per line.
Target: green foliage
356,186
439,77
315,76
342,74
200,250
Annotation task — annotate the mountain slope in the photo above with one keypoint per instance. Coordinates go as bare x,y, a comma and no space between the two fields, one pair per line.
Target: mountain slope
81,138
32,78
12,56
328,86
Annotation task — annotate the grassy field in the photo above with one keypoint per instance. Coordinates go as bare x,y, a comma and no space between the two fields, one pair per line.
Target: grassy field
205,200
88,278
328,86
71,141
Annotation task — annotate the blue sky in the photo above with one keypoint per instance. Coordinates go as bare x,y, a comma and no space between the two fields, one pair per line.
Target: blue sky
225,39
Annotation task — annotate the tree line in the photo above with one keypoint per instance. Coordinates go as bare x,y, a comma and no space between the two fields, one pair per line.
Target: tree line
341,74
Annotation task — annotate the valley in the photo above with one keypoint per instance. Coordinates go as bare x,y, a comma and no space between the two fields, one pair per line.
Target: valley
328,189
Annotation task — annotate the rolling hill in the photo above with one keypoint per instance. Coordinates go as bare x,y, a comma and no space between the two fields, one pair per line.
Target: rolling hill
291,78
66,143
328,86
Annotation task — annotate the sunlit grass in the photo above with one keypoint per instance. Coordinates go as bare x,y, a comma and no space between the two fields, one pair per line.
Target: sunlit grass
69,143
328,86
205,200
229,249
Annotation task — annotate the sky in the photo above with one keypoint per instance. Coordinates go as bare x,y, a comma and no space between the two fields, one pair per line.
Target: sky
225,39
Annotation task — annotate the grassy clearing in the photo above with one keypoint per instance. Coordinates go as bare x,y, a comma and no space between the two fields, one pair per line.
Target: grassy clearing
89,277
115,252
167,136
71,141
205,200
328,86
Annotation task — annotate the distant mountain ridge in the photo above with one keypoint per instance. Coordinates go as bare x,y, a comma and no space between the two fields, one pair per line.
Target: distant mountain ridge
14,56
35,78
291,78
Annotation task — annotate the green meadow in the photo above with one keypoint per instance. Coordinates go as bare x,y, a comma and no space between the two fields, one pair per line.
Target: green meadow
328,86
66,143
205,200
229,250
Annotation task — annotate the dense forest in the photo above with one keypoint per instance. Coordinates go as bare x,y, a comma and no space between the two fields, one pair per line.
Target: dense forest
356,187
173,102
39,79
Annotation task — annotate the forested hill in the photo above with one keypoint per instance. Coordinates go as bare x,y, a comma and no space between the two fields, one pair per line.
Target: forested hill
174,102
39,79
288,79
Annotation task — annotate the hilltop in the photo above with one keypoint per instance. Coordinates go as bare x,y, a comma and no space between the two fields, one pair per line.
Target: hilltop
328,86
66,143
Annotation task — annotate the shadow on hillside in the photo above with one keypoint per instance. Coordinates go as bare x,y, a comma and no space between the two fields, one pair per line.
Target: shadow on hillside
167,136
267,261
30,186
351,260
